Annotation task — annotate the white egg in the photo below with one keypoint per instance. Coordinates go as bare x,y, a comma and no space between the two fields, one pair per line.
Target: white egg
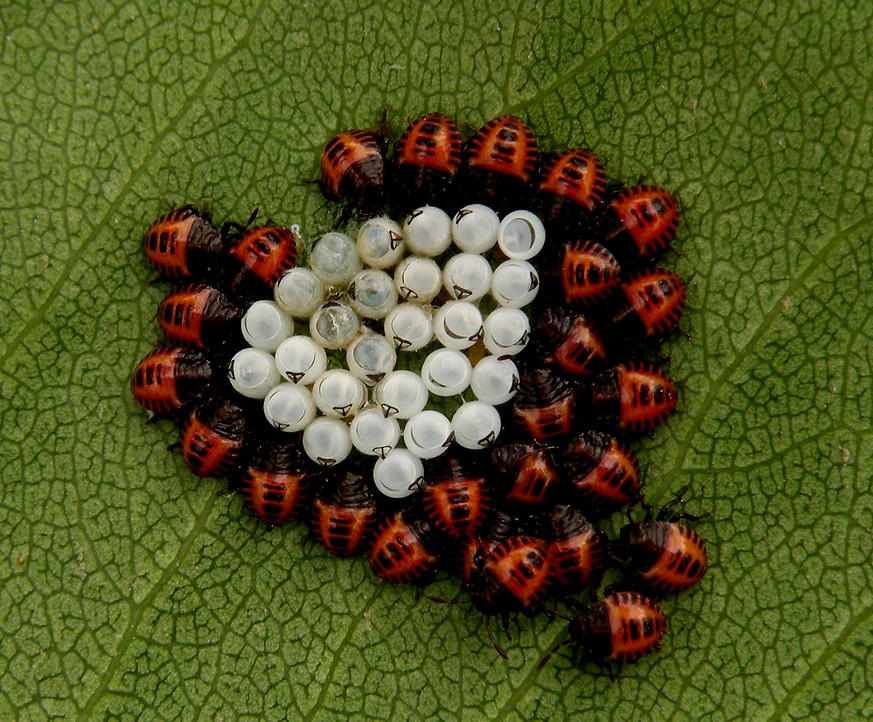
301,360
327,441
299,292
253,373
446,372
521,235
515,283
373,433
427,434
474,228
476,425
265,325
427,231
399,474
289,407
409,326
334,259
380,243
507,331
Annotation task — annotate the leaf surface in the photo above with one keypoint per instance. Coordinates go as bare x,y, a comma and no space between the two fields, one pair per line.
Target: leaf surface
128,588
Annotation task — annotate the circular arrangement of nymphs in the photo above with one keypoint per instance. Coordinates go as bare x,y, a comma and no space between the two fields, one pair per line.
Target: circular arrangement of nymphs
454,381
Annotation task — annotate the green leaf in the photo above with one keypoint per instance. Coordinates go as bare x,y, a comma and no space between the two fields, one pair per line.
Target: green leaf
129,589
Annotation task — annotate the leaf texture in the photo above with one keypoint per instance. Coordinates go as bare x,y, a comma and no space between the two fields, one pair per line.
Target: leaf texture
128,589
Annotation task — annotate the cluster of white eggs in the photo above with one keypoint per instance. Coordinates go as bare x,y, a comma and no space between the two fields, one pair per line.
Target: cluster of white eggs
346,293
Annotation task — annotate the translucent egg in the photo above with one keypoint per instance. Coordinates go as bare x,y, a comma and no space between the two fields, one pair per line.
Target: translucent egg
301,360
409,326
371,356
458,324
299,292
427,434
494,380
515,283
334,259
327,441
380,243
265,325
373,433
399,474
401,394
338,393
289,407
418,279
521,235
474,228
507,331
427,231
467,276
334,325
446,372
372,293
253,373
476,425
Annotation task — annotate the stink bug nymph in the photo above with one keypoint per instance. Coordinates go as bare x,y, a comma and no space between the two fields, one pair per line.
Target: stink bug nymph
577,551
183,244
353,169
403,551
649,306
426,159
622,627
343,516
276,481
640,223
199,316
257,258
212,437
456,501
571,185
601,473
543,408
501,160
633,397
589,273
169,378
660,554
